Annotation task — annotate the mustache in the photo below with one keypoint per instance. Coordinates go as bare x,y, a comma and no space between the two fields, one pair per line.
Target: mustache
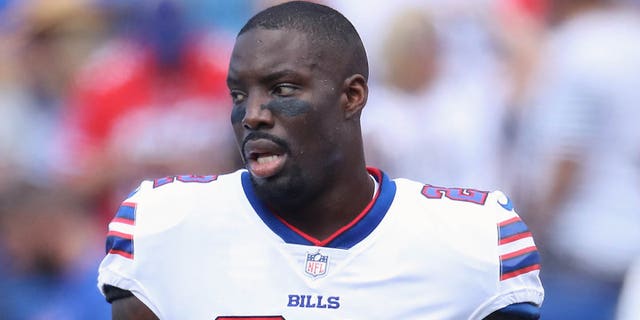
262,135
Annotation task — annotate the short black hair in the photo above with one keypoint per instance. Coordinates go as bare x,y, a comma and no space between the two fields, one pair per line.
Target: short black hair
322,24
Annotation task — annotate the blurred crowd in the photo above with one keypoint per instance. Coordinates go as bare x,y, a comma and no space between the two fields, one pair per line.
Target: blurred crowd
537,98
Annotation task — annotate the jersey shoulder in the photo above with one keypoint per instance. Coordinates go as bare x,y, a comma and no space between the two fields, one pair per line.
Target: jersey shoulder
490,214
156,205
485,227
157,216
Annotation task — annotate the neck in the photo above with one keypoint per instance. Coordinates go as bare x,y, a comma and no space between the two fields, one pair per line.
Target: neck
338,204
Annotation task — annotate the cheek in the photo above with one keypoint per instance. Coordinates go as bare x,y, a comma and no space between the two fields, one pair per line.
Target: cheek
318,136
237,114
238,131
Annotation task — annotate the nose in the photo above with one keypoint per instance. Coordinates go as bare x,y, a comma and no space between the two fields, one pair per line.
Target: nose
257,115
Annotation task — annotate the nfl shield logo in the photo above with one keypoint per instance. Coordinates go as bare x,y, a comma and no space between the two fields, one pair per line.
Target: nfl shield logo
316,264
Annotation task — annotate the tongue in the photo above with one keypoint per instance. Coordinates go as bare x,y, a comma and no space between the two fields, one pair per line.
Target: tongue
267,166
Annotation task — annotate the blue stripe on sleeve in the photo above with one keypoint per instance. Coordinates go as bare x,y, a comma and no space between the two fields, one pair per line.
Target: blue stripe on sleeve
513,229
119,244
126,212
519,262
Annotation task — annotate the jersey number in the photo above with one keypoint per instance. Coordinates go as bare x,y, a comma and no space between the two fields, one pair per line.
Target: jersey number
184,178
457,194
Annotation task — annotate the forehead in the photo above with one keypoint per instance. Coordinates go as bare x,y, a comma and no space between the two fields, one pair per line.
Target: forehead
262,51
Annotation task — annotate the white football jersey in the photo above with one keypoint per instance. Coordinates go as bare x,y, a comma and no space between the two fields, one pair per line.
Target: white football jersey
205,247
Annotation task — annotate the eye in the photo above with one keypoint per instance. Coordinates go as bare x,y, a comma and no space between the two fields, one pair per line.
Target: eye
284,90
238,96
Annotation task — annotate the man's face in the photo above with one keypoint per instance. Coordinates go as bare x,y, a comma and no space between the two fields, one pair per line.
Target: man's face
286,110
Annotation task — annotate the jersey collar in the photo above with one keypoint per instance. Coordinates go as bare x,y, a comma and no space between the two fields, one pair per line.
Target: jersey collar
347,236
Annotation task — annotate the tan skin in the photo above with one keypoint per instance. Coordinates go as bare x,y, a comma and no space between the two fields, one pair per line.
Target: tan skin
323,158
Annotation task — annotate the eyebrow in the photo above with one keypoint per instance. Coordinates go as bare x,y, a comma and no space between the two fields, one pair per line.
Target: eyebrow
232,80
277,75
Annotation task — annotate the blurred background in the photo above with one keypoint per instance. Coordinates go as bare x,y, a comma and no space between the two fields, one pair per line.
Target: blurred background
537,98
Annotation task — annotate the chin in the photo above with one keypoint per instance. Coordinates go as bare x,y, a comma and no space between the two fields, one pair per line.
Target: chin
288,188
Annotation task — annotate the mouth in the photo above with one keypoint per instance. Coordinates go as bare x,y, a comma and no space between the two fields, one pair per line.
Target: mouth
264,158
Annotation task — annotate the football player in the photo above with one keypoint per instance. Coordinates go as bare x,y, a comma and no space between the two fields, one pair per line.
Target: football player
307,230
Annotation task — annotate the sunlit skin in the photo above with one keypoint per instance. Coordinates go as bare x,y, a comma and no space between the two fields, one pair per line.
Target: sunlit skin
290,101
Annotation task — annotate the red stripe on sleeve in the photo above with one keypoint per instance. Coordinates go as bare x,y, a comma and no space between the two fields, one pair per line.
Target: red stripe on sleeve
519,272
515,237
120,234
122,253
510,221
518,253
123,220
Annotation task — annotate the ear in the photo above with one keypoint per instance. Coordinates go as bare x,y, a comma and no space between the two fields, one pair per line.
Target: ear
355,96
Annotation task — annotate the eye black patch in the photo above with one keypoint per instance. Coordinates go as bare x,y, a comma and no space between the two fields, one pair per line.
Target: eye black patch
287,107
237,114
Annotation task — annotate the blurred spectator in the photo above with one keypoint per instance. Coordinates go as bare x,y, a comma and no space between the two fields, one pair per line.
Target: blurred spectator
581,149
51,246
49,242
95,96
629,304
427,119
225,16
520,30
44,43
151,102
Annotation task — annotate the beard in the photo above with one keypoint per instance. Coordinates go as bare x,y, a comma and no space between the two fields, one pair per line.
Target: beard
290,191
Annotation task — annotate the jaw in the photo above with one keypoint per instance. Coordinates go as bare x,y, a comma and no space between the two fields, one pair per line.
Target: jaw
287,191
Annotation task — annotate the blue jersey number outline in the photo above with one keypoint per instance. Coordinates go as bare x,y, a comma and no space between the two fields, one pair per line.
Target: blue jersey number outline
184,178
456,194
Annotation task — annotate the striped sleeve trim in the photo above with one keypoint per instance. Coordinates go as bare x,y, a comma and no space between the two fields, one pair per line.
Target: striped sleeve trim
518,253
126,213
519,262
120,235
512,230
